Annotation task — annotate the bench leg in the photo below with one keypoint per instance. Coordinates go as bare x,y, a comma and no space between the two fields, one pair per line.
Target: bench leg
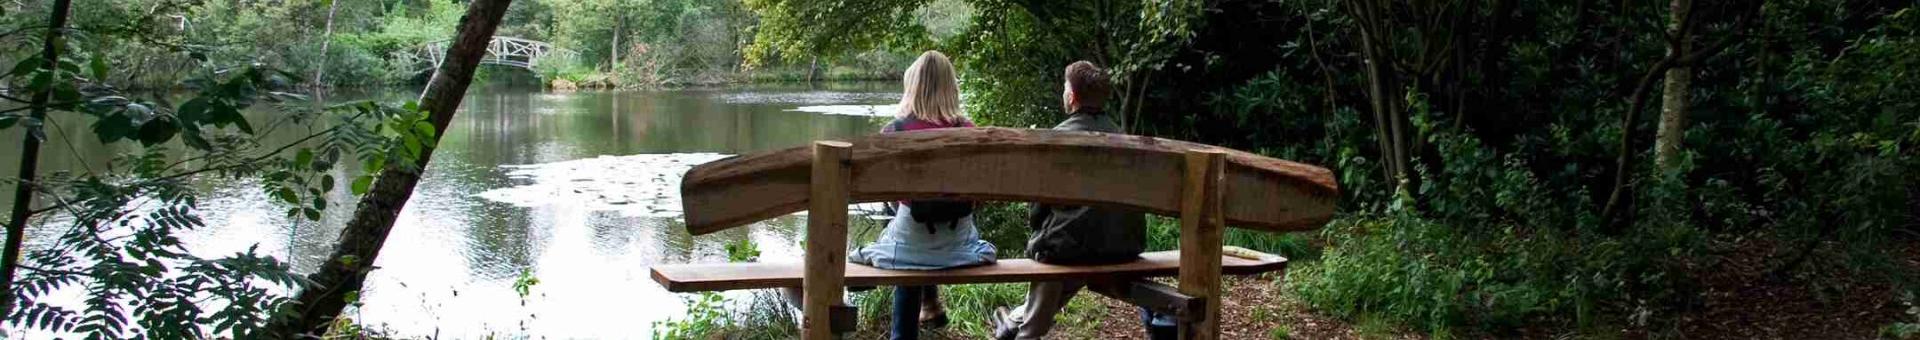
845,319
1202,227
826,258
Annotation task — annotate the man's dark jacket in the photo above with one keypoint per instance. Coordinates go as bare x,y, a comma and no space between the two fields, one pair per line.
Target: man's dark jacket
1064,234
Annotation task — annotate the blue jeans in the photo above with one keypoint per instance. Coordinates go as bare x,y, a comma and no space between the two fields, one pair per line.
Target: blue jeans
906,312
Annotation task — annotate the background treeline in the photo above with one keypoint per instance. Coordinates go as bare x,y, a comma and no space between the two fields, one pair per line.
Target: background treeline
637,43
1580,164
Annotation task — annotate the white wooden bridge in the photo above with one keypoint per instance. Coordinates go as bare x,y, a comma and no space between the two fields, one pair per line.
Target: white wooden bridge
506,51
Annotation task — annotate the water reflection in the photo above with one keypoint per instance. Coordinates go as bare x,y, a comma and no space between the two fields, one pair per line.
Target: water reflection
449,266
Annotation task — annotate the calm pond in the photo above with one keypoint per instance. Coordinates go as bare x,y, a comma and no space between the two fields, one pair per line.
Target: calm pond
577,189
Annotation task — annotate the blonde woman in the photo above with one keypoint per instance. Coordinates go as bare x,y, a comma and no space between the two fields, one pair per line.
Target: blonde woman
927,234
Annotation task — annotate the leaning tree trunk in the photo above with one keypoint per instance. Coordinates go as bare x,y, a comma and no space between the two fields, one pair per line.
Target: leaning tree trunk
1669,140
360,242
30,158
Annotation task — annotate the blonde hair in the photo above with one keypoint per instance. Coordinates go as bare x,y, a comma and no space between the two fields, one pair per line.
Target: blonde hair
932,94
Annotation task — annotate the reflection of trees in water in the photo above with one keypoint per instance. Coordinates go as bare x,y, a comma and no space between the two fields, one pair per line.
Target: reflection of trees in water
503,239
676,245
615,233
497,127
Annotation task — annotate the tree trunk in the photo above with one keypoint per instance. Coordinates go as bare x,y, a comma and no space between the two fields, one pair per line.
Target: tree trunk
360,242
30,158
811,66
326,41
1673,108
1384,92
613,59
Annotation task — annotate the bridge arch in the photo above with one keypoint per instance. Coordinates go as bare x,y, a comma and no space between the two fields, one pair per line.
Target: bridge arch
504,51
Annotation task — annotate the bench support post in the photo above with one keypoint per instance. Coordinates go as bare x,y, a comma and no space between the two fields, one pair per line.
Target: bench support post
1202,228
826,250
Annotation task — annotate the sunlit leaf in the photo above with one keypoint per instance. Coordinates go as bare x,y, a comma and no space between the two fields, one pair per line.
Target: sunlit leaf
362,184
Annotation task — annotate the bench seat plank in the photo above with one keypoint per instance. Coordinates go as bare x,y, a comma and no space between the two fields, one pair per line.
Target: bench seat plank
733,276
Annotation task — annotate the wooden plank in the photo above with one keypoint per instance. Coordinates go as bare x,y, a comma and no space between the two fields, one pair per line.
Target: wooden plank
826,253
734,276
1202,229
1065,167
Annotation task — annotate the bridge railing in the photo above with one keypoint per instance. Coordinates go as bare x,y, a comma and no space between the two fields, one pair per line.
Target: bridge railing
508,51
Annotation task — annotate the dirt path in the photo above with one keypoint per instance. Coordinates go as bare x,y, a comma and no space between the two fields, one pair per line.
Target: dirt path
1254,309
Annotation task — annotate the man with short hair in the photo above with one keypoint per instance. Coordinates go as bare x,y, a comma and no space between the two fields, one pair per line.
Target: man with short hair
1073,235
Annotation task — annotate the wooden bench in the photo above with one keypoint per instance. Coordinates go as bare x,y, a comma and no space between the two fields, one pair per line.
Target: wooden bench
1208,187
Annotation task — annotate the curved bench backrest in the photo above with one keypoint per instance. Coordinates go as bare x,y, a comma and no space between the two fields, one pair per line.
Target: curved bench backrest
1001,164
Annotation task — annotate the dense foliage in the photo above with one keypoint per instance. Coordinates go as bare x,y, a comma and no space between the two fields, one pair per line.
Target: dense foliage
359,43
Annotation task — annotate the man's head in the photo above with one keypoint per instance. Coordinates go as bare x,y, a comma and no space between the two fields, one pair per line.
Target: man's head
1087,88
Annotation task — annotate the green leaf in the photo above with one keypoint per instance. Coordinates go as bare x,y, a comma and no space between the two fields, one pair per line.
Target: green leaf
312,215
362,184
224,114
288,195
7,120
113,128
423,129
25,66
157,131
193,111
303,158
414,147
41,81
374,165
99,67
68,66
326,182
